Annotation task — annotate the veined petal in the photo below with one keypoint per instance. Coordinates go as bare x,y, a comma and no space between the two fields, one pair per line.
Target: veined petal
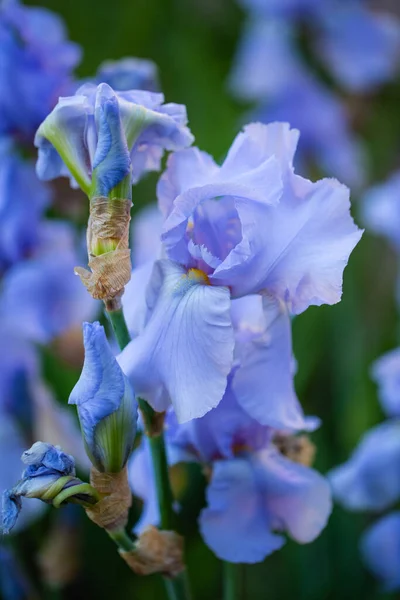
370,480
185,351
297,497
235,524
263,383
380,547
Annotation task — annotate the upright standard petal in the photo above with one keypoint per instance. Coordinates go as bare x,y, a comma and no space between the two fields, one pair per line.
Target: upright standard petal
235,524
106,404
299,247
370,480
380,547
185,351
111,161
263,383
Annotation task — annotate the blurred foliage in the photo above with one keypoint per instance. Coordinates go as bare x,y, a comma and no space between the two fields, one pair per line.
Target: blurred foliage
193,42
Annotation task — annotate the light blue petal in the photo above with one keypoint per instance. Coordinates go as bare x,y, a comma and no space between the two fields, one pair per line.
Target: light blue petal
299,248
186,345
235,524
223,432
380,547
111,162
61,138
263,383
297,498
370,480
10,508
101,386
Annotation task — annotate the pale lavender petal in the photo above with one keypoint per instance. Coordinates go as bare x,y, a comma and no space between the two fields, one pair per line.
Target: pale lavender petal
186,345
263,383
235,524
297,497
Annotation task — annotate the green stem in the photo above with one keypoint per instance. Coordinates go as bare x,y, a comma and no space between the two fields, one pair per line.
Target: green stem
118,323
122,539
163,486
231,581
177,588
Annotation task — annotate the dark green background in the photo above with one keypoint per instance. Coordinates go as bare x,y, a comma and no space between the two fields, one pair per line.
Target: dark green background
193,43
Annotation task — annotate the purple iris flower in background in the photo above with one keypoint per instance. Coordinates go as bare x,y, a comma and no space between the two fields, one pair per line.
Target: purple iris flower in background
101,130
23,200
267,60
249,226
30,61
283,8
370,480
380,548
326,138
386,373
381,209
247,470
129,74
42,298
360,47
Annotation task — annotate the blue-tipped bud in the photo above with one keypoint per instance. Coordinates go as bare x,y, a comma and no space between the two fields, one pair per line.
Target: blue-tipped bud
106,403
50,477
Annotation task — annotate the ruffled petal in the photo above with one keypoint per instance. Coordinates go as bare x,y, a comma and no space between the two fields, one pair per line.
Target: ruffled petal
297,497
298,249
370,480
185,352
234,524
